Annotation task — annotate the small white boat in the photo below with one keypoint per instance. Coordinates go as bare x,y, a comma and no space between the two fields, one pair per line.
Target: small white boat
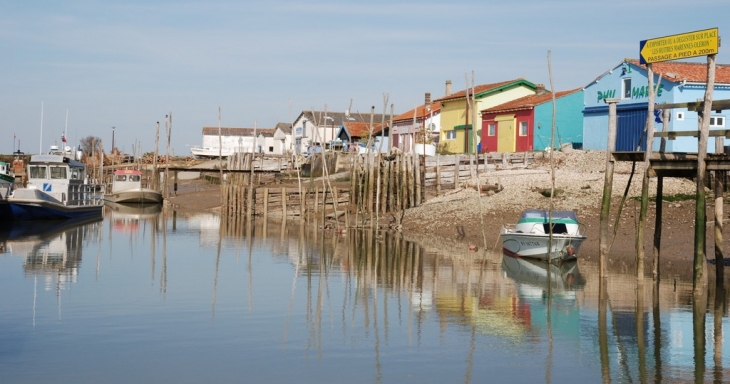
210,152
127,188
57,189
531,237
7,183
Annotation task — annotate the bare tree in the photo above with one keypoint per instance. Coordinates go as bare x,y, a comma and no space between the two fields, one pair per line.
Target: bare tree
90,144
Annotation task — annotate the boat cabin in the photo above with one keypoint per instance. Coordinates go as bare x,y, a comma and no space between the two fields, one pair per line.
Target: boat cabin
126,179
54,174
538,221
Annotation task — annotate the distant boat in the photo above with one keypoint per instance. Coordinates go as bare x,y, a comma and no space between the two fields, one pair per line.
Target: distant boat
210,152
57,189
7,183
127,188
531,237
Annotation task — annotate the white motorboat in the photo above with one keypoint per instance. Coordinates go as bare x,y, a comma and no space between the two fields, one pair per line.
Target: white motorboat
127,188
57,189
210,152
531,237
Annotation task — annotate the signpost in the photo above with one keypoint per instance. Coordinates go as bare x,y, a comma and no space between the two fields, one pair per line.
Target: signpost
675,47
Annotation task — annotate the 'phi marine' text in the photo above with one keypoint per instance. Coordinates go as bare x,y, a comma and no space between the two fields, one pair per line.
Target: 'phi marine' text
636,93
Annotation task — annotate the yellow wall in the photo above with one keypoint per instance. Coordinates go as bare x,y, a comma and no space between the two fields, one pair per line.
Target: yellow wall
453,114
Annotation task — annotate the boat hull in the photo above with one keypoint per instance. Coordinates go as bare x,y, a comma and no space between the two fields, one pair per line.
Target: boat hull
135,196
539,246
31,204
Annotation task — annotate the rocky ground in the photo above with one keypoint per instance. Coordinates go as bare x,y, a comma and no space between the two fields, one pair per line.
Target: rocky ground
476,219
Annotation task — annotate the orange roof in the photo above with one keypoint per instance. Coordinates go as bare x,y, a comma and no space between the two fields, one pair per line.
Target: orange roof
528,102
421,112
693,72
479,89
361,129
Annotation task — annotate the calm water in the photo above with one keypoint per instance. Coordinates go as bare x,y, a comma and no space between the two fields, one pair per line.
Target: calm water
145,297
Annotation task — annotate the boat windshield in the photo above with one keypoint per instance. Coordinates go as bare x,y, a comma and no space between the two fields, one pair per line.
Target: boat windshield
542,215
38,171
58,172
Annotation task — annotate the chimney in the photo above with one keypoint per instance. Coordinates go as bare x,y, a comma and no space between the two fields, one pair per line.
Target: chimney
540,89
448,87
427,103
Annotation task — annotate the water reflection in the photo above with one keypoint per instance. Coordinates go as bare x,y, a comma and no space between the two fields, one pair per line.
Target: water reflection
376,306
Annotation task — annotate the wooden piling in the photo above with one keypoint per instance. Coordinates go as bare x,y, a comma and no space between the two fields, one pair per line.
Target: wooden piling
649,128
603,246
699,278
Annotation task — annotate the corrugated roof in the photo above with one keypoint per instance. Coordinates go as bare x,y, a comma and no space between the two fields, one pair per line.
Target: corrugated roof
528,102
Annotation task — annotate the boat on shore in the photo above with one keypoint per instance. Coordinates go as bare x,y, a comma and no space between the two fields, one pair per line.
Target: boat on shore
127,188
532,236
57,188
210,152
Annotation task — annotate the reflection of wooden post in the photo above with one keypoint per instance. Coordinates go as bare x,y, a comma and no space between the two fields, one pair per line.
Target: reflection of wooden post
698,276
607,188
603,330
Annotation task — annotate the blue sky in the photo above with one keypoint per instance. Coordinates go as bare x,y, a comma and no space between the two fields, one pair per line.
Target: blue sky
126,64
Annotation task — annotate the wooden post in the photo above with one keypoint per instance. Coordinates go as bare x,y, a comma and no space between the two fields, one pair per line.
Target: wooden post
698,278
603,245
283,203
719,192
649,128
266,202
438,175
659,206
456,171
419,189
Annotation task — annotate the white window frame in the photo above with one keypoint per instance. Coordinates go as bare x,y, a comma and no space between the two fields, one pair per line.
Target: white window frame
525,126
626,88
717,121
450,135
492,129
680,116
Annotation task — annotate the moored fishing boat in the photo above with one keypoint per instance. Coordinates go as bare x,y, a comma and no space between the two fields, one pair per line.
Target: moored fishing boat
57,188
127,188
531,237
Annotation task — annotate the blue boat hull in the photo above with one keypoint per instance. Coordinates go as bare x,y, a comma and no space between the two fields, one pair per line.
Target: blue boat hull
53,211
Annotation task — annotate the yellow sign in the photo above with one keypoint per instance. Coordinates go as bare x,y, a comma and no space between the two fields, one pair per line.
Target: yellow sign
675,47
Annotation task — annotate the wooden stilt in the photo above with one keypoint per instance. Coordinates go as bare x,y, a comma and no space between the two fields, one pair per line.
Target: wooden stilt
607,188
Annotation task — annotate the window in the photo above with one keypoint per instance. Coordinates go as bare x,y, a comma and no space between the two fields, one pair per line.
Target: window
271,149
38,171
680,116
135,178
450,135
626,84
492,129
58,172
523,128
120,178
717,121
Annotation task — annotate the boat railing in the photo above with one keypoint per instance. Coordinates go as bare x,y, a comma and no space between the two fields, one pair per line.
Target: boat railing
85,194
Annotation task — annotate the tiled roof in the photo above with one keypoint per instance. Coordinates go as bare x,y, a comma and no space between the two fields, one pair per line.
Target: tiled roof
675,71
421,112
528,102
479,89
361,129
227,131
285,127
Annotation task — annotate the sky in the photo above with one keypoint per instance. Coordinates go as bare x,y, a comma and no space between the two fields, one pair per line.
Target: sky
114,69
